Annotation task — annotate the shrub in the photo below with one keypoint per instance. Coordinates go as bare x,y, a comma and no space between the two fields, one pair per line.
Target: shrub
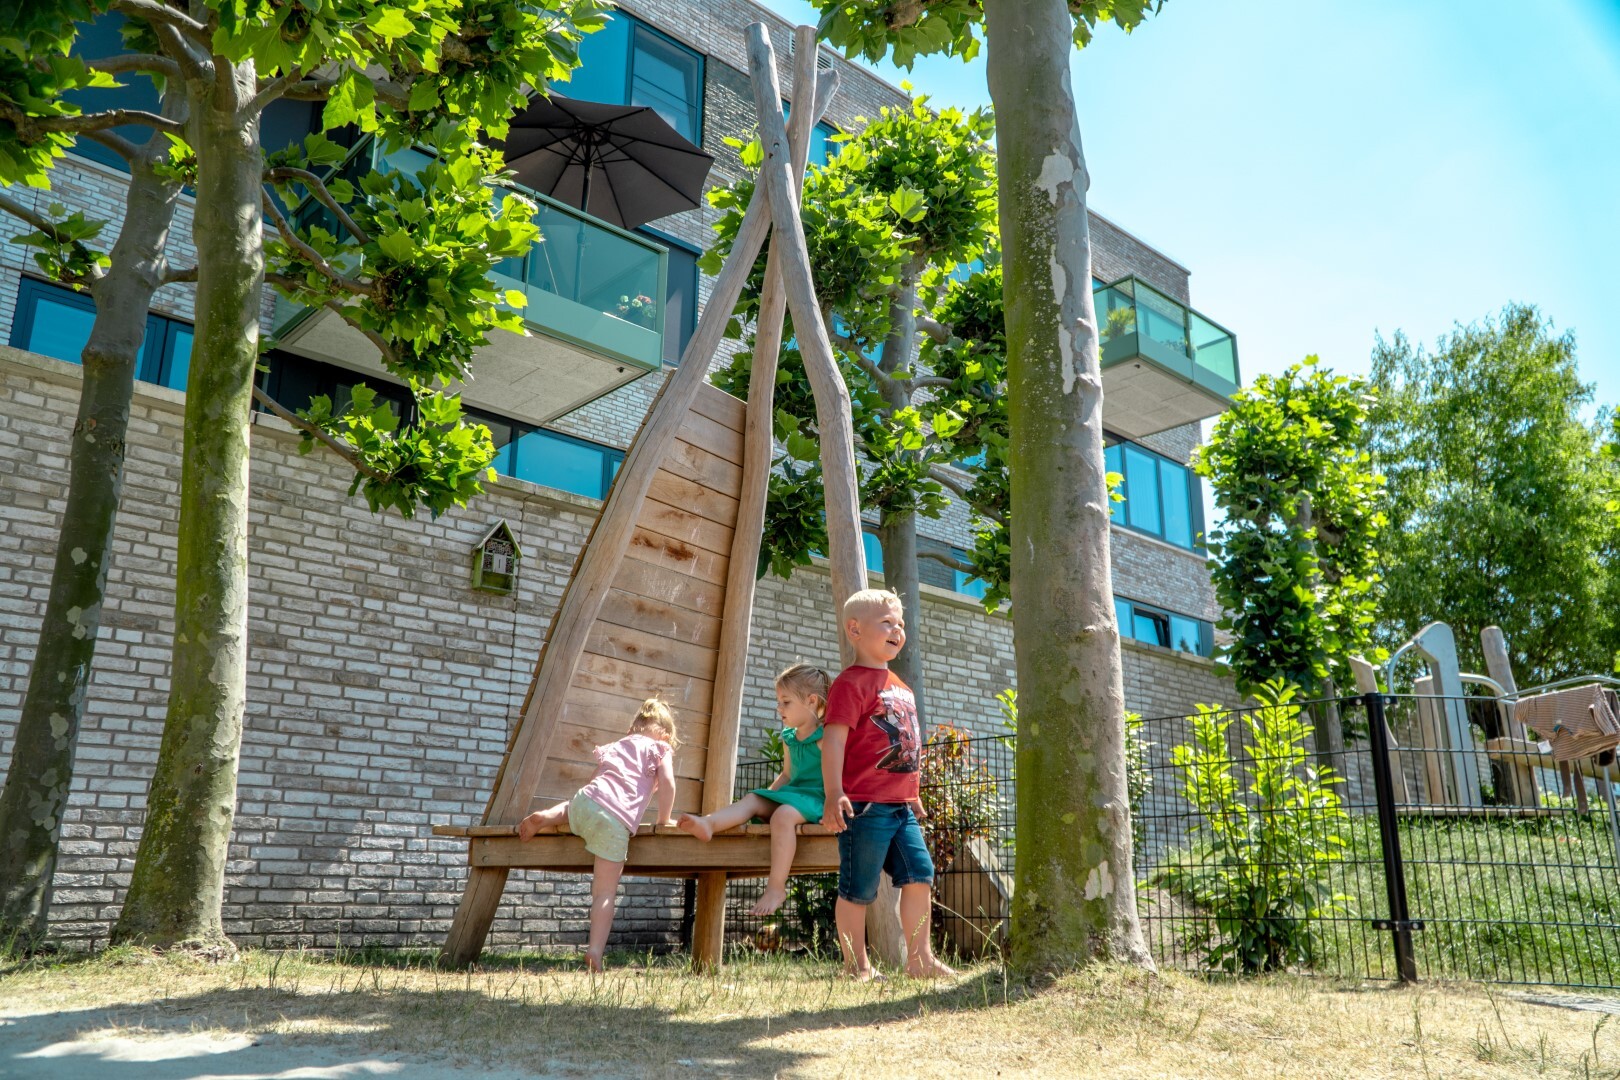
1262,851
960,795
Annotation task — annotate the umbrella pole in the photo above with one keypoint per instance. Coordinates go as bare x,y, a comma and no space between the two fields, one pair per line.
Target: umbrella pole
579,243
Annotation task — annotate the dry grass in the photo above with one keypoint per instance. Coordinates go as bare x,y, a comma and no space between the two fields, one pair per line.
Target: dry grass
782,1018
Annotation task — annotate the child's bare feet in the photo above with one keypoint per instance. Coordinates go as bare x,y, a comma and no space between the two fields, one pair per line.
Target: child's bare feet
529,826
772,898
928,967
593,962
865,974
698,827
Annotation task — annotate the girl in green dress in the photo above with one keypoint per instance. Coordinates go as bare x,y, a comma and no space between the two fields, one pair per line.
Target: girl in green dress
796,796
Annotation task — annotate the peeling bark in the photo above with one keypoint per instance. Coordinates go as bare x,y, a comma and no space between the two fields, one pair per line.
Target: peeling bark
176,891
40,775
1075,899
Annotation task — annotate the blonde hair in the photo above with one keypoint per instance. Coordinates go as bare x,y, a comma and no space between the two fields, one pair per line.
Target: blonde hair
867,600
654,713
807,681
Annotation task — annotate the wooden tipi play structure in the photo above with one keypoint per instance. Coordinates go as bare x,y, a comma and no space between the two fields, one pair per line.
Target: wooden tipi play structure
661,598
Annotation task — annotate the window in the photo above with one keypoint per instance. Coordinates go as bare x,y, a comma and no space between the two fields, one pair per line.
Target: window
1166,629
629,63
822,147
53,320
560,461
680,295
874,552
1162,498
967,584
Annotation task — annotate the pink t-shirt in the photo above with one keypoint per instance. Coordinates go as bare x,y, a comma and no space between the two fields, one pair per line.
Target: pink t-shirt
626,775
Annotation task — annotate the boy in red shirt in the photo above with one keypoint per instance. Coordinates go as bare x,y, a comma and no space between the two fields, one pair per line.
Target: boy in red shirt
871,761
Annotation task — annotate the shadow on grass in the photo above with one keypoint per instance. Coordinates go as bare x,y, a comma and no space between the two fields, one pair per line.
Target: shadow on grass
493,1024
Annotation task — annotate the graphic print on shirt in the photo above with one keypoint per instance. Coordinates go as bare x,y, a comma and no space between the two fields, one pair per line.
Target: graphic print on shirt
897,718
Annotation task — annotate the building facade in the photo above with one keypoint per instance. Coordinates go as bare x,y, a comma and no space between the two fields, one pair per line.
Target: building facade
382,685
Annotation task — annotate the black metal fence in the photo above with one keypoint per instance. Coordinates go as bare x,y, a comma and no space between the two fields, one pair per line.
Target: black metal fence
1407,858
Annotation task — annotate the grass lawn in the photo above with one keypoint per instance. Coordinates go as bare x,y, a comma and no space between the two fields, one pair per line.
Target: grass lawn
130,1015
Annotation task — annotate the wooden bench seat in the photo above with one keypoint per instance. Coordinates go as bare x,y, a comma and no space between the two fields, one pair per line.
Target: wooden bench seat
655,850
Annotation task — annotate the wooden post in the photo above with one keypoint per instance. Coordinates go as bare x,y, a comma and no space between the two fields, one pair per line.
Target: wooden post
834,417
1431,742
1499,666
1366,677
725,716
474,916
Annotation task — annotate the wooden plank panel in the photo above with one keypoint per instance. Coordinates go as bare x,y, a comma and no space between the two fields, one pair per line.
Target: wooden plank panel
640,647
713,436
706,502
640,682
575,741
717,405
466,831
610,718
559,780
670,587
697,463
742,856
662,550
623,707
684,525
656,617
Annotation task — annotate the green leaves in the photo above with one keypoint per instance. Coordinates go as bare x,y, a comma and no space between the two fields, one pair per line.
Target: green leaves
1294,563
64,254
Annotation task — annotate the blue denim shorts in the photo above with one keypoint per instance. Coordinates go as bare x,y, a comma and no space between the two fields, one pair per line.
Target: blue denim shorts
879,837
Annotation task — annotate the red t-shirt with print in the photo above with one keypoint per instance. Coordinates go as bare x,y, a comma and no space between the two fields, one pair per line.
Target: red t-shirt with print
884,754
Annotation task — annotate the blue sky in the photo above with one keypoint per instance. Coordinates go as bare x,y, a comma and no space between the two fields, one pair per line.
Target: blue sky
1330,170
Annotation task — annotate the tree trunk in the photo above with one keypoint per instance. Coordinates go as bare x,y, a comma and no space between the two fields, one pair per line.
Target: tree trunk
897,537
1075,899
41,771
178,884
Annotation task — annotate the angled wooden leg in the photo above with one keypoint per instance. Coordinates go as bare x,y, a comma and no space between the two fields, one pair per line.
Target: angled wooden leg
474,916
709,922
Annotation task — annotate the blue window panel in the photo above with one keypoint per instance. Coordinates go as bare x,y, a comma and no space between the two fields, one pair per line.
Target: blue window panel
967,584
669,78
1113,462
1186,635
1152,628
1142,490
56,323
1123,616
1176,504
874,552
176,361
604,64
541,457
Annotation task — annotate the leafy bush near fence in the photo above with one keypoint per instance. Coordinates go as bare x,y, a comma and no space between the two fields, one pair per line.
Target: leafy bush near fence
961,796
1270,826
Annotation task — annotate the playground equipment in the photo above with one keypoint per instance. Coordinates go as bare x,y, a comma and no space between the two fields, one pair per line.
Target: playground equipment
1575,721
661,598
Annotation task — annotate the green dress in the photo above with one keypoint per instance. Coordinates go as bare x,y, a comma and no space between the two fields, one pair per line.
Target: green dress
803,791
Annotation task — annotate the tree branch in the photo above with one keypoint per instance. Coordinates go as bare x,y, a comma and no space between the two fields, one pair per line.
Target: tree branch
961,491
314,431
114,142
313,257
936,330
43,224
955,564
273,89
158,14
85,123
317,187
877,374
175,275
194,61
925,381
148,62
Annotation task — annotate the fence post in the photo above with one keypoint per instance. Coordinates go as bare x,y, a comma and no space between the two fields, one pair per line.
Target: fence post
1399,922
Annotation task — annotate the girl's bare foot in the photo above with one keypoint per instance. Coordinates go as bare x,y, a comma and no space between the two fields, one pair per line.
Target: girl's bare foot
698,827
529,826
593,962
865,974
772,898
928,967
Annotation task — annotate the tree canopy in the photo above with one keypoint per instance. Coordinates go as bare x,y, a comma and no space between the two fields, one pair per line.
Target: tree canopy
1499,492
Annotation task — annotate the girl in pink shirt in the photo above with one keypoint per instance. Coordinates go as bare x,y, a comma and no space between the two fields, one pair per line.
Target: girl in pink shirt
606,811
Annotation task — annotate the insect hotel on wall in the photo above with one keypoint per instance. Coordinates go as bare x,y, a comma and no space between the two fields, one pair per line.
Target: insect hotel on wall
495,560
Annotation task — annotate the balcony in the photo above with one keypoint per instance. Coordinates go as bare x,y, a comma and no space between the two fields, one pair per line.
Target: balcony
582,341
1163,364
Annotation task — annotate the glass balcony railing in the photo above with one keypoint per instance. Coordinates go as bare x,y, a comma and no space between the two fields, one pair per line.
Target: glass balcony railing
1137,320
586,281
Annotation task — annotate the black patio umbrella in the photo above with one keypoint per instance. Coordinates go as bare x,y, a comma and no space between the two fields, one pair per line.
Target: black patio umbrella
622,164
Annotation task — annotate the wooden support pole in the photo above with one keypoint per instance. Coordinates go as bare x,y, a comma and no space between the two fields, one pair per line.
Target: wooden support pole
725,716
1431,741
1499,667
1366,677
834,417
474,916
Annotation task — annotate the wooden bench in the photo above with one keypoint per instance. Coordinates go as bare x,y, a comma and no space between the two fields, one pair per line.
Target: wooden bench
655,850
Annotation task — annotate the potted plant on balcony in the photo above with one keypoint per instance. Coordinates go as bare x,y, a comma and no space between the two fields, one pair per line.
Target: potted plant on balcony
639,309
